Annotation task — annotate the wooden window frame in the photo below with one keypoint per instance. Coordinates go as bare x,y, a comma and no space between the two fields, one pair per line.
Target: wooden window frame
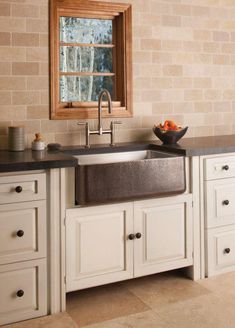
122,15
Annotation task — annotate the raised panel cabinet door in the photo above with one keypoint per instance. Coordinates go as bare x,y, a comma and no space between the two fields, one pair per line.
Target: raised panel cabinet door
163,229
220,202
22,231
23,289
98,250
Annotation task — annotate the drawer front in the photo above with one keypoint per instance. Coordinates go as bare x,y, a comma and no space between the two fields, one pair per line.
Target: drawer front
219,167
22,231
23,291
221,250
220,202
22,188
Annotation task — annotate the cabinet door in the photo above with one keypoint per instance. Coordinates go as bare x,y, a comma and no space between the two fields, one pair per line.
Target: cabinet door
98,249
165,226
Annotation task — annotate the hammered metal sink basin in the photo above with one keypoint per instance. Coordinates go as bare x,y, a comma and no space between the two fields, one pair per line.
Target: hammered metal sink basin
110,177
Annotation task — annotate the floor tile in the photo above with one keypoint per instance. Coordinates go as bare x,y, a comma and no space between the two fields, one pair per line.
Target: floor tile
103,303
61,320
158,291
147,319
224,283
208,311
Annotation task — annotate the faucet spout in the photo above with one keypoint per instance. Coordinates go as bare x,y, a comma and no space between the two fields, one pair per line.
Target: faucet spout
101,95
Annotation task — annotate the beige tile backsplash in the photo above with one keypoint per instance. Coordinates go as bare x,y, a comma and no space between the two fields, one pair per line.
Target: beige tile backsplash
183,63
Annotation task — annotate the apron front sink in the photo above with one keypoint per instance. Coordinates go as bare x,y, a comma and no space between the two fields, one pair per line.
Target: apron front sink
112,177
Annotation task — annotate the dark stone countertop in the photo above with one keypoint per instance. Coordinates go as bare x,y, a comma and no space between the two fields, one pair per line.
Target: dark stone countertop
36,160
186,146
203,146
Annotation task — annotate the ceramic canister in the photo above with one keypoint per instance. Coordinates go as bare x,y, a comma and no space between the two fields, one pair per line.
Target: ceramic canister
16,138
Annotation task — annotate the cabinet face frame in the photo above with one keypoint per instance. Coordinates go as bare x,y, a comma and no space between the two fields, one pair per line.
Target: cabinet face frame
122,16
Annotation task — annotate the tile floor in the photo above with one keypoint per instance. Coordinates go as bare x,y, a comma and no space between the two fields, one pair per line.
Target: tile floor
167,300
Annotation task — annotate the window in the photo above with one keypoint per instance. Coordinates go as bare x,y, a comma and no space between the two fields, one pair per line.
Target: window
90,50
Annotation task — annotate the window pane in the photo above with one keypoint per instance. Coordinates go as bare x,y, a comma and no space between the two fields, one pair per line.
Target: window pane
84,88
84,30
86,59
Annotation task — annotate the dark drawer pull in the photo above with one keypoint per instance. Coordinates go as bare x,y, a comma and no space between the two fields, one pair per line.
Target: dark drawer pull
225,167
20,293
131,236
18,189
226,202
138,235
20,233
227,250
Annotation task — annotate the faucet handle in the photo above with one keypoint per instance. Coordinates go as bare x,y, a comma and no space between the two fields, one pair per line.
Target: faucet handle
87,131
112,128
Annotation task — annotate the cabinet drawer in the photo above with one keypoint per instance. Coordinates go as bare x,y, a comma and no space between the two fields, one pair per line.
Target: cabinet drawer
219,167
23,291
220,250
22,231
220,202
22,188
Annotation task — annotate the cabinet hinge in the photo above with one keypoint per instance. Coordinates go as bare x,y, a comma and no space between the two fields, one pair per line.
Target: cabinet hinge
192,203
65,280
192,254
64,221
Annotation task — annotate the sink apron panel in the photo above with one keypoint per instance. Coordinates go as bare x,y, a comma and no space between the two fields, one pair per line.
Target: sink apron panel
104,183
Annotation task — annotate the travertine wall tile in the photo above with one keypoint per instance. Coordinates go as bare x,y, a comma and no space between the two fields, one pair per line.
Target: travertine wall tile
25,69
5,38
183,69
5,9
25,39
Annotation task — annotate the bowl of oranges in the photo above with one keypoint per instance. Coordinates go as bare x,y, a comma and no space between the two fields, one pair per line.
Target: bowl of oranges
169,132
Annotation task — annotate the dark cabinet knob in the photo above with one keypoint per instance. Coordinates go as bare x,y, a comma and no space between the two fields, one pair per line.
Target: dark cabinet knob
227,250
20,233
226,202
20,293
226,167
18,189
138,235
131,236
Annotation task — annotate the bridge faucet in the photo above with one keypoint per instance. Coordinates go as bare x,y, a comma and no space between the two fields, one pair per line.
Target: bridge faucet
101,95
100,130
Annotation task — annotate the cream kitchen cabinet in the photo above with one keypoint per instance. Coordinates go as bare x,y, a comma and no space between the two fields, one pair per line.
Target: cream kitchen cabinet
23,246
219,212
110,243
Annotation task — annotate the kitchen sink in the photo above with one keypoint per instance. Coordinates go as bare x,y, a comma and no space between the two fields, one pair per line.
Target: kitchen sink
120,176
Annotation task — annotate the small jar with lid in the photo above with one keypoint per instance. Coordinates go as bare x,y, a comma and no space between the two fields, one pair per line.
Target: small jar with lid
38,143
